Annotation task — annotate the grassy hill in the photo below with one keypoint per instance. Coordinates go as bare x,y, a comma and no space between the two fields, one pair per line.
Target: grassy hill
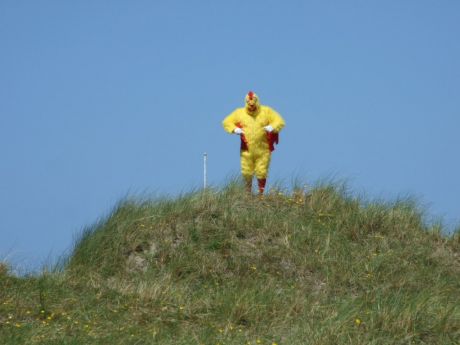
309,267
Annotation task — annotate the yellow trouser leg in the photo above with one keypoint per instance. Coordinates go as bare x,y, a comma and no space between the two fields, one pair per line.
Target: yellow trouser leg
261,169
262,164
247,169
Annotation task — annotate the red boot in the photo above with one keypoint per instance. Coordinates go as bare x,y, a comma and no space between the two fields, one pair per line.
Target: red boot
261,182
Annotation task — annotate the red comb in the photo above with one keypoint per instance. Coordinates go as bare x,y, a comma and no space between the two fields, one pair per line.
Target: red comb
251,95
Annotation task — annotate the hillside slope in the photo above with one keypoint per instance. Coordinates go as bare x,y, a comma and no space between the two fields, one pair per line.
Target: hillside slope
311,267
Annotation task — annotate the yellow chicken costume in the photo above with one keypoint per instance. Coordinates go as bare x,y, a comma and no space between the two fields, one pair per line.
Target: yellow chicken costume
258,127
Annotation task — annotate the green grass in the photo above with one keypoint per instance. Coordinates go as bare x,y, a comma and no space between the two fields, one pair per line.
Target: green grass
308,267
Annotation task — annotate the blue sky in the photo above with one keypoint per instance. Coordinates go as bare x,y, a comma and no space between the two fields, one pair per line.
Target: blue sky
100,99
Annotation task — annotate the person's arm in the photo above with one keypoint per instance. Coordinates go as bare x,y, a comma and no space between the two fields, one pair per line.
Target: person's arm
230,122
276,121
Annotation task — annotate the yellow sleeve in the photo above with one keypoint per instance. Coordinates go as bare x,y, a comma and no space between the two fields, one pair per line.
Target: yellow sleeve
276,121
230,122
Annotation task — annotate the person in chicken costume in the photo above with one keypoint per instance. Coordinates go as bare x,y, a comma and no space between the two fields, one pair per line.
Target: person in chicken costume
258,127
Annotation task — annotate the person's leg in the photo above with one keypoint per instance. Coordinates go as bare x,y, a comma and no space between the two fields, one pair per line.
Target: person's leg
247,169
261,169
248,184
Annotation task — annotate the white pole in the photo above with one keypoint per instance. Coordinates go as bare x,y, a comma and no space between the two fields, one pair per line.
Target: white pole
205,173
